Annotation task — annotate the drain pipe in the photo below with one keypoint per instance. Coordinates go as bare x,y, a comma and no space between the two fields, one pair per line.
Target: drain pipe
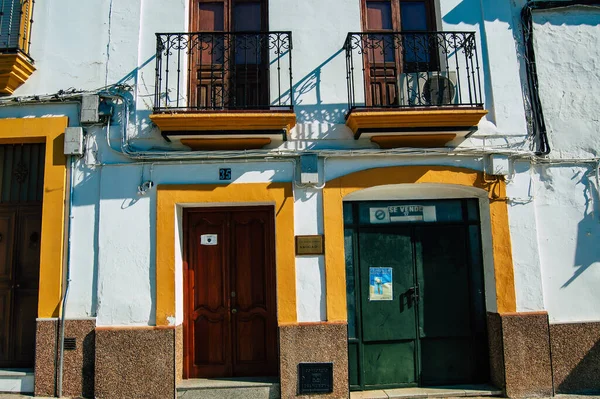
67,268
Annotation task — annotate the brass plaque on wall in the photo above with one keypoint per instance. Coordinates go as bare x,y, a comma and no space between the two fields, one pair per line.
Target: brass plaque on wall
309,245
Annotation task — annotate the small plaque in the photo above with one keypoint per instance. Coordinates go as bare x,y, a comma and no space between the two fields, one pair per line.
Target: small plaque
208,239
315,378
309,245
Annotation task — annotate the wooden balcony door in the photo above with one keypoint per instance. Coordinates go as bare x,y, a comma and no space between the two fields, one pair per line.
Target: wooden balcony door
229,66
21,191
230,306
387,56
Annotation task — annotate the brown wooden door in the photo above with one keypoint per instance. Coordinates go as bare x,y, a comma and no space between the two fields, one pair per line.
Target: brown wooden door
21,192
229,70
387,56
230,307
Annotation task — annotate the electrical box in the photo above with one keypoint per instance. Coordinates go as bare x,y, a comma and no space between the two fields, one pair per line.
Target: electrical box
89,108
497,165
309,169
74,141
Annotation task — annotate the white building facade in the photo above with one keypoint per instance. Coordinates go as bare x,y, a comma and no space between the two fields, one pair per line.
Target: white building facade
346,195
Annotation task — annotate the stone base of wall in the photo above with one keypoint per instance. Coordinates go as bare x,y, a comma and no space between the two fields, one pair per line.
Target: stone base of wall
78,368
179,353
46,337
576,357
496,350
520,354
313,342
135,362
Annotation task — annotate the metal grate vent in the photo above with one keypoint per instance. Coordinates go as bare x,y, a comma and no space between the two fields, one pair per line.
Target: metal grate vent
70,344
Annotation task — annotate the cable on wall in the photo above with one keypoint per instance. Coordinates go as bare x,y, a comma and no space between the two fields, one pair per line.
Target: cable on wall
539,124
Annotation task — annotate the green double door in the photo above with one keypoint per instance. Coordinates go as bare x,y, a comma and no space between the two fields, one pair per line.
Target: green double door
415,294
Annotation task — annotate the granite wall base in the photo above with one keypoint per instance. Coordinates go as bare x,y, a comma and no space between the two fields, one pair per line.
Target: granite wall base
576,357
135,362
496,350
313,342
525,354
78,367
46,336
179,353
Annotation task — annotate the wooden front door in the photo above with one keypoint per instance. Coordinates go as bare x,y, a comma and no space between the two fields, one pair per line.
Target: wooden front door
416,313
21,190
230,307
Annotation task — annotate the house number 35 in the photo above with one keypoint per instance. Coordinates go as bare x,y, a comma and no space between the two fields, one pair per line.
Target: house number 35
225,174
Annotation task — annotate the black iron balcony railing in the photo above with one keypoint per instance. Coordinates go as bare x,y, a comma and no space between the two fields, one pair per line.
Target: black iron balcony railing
412,69
15,26
212,71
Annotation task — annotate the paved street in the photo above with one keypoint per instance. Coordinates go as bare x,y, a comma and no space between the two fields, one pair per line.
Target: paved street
11,396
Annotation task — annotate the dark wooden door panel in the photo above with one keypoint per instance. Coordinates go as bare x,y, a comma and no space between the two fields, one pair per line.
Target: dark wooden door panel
230,70
230,290
28,250
209,307
5,313
25,310
7,226
253,325
21,186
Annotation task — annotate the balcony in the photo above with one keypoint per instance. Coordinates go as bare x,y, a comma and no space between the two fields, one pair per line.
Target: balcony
16,66
224,90
408,89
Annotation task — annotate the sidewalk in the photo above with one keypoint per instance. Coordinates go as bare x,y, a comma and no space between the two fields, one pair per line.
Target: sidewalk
12,396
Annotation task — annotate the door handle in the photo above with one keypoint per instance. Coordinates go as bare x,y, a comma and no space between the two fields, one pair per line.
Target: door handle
413,293
234,311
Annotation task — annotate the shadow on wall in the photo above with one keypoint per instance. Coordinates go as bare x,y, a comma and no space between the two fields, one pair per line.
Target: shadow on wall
320,113
470,12
587,251
583,378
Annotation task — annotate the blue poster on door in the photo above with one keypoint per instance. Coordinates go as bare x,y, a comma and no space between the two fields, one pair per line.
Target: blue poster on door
380,284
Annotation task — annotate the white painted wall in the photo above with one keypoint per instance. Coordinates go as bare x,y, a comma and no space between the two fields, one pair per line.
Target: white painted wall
87,45
567,49
567,209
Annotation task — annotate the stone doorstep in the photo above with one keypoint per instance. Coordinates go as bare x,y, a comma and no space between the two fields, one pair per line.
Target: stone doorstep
221,383
242,388
16,380
429,392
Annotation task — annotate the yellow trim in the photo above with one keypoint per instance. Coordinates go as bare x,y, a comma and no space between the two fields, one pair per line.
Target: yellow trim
225,121
417,118
279,194
51,132
25,28
337,189
15,69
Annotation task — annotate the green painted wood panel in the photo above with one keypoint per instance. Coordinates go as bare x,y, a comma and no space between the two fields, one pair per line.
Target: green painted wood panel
437,337
395,319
